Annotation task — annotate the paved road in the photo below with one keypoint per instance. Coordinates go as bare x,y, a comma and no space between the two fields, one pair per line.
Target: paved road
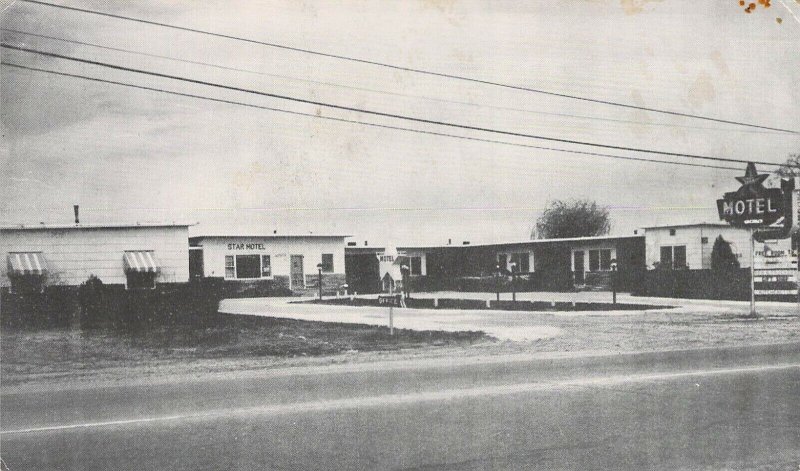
706,409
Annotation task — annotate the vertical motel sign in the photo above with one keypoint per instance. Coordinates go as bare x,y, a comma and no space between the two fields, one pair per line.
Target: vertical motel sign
769,213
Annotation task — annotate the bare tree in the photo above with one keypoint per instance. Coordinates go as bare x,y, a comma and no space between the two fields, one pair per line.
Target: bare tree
575,218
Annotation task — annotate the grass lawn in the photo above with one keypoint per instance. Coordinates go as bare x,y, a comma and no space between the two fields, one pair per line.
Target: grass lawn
228,337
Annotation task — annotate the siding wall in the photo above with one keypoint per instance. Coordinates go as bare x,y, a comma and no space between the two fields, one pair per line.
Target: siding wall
278,248
75,253
698,254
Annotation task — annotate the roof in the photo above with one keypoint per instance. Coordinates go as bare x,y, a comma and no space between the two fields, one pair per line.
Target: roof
43,226
697,224
267,236
529,242
362,249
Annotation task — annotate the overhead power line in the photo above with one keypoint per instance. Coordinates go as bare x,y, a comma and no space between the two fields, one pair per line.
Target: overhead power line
362,123
407,69
383,92
373,112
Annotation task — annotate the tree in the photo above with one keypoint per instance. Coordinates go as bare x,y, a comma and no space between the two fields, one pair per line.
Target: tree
574,218
722,257
790,168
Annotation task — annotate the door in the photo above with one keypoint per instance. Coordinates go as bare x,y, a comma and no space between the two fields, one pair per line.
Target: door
297,279
195,264
502,262
578,267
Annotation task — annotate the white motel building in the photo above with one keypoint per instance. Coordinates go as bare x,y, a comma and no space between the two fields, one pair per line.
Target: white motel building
291,261
133,255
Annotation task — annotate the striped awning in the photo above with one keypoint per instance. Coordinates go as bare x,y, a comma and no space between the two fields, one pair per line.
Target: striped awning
26,263
142,261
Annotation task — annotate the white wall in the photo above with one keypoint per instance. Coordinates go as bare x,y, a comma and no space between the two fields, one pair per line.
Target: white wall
278,248
698,254
75,253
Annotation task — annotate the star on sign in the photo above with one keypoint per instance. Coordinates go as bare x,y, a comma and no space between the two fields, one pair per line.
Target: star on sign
751,177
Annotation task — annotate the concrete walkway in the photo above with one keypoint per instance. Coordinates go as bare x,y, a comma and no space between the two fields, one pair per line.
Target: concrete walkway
504,325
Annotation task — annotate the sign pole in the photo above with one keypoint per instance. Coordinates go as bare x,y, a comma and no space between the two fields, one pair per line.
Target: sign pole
752,273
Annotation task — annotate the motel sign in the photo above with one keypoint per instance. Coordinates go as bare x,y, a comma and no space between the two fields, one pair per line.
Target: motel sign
754,206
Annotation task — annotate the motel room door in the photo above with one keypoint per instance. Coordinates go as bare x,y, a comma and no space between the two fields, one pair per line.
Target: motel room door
578,267
296,276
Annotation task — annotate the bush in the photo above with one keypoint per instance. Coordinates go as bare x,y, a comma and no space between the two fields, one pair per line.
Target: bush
731,284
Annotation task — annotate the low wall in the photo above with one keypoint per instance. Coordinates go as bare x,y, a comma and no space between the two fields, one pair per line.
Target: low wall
525,282
696,284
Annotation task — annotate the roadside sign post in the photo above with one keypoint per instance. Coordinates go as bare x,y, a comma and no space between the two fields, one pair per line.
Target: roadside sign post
752,273
392,301
769,213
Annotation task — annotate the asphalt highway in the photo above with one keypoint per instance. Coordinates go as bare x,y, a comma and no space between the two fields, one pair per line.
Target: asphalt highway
733,408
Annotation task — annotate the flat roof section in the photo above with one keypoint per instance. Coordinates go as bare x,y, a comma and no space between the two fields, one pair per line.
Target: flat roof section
697,224
40,227
268,236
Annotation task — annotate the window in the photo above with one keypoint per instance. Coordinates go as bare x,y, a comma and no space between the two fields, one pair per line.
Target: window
673,256
141,280
230,267
704,240
27,284
600,260
27,272
415,264
666,257
679,256
245,267
672,232
248,266
327,263
522,261
266,266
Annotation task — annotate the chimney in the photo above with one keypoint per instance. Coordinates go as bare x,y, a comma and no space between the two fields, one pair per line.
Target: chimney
76,209
449,241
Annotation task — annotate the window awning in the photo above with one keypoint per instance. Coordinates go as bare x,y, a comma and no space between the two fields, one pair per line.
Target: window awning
26,263
140,261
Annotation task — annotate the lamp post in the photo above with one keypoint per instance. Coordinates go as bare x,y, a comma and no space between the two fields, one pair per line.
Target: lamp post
513,285
404,271
497,281
614,281
319,280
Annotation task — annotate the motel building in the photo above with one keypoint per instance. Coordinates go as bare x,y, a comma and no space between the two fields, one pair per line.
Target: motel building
534,265
288,261
580,263
690,245
136,256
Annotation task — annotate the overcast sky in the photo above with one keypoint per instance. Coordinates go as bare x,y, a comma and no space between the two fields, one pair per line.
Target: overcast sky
136,155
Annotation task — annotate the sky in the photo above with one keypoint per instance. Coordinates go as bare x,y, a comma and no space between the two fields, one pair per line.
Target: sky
128,155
